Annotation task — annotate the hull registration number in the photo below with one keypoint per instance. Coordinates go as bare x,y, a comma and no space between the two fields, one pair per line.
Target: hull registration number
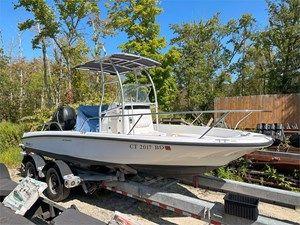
150,147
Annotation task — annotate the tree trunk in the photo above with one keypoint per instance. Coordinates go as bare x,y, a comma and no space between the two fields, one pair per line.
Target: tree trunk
70,94
21,92
21,76
46,83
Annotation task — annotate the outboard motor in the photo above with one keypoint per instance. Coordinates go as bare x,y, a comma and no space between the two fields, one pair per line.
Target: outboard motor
295,140
265,129
65,116
279,133
274,130
259,128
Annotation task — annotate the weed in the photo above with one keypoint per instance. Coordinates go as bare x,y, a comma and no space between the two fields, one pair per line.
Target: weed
228,173
273,176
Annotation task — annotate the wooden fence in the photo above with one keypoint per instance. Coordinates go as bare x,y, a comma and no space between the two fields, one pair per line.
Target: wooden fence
284,109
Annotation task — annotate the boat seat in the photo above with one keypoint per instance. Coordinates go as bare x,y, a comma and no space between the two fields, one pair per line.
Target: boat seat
88,118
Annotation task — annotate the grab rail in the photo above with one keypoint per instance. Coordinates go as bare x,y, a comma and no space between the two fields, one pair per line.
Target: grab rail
215,124
49,124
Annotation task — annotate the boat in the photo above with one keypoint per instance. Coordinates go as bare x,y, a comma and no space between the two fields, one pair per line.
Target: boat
125,135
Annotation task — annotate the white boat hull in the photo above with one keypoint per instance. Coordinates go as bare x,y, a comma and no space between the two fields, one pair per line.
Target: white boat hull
100,148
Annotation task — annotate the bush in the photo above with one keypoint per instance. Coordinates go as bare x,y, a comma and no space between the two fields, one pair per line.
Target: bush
11,157
39,117
10,138
10,135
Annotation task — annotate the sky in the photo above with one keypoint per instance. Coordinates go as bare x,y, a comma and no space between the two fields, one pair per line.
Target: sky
174,12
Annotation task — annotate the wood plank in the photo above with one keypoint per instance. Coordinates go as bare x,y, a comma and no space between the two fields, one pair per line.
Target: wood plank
285,109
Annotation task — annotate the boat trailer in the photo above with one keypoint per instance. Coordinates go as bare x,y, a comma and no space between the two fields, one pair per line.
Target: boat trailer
154,191
18,205
43,211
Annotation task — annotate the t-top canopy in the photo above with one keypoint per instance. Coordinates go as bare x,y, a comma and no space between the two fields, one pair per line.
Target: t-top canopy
122,62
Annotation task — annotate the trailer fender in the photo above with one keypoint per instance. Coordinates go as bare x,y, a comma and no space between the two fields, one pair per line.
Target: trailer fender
38,161
70,180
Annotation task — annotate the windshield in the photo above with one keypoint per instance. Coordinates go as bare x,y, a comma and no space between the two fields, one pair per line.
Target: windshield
136,93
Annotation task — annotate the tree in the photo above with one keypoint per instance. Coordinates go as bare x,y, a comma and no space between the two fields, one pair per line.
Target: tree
242,39
281,45
63,29
44,22
199,47
208,50
101,29
138,20
270,64
3,59
5,86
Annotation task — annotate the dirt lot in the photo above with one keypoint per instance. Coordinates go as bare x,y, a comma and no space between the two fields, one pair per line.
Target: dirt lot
103,204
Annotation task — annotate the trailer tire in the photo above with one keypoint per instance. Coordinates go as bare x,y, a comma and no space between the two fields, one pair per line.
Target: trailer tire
56,189
30,170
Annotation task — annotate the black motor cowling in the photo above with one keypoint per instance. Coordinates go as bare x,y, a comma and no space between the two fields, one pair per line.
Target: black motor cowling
274,130
295,140
65,116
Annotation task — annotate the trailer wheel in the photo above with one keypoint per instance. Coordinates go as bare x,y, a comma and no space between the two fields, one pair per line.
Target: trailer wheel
30,170
56,190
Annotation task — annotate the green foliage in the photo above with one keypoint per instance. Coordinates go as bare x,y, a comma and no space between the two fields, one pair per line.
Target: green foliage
227,173
64,23
273,176
43,15
241,168
10,138
70,13
205,59
282,38
7,97
18,97
138,20
3,58
236,170
271,63
39,117
207,50
11,157
10,135
165,81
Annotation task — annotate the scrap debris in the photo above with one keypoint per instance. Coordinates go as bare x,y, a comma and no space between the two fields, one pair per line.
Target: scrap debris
24,195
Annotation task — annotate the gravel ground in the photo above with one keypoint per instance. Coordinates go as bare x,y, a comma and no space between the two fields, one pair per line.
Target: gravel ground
103,204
